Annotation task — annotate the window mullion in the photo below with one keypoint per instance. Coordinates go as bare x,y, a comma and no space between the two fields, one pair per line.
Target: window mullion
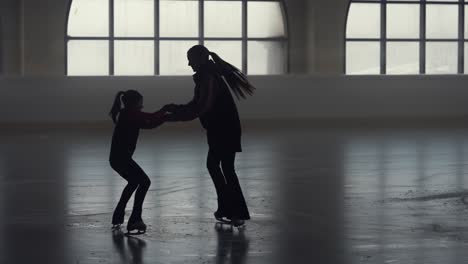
461,37
111,37
422,33
201,22
156,37
383,37
244,36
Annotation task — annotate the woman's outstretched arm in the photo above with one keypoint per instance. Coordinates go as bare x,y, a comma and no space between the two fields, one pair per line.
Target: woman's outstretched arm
200,104
150,120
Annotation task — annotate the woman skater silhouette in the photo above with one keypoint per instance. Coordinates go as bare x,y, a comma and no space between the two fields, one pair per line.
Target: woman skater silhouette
217,111
128,122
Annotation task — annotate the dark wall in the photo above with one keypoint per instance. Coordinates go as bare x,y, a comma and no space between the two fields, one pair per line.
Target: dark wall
10,33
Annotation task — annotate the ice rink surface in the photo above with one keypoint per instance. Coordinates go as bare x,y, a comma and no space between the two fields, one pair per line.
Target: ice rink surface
332,194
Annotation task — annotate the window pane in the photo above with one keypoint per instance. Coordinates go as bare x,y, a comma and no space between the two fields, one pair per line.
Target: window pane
466,21
230,51
134,18
402,21
223,19
442,21
402,58
88,57
173,57
466,58
265,19
441,57
134,57
362,57
266,57
89,18
179,18
363,21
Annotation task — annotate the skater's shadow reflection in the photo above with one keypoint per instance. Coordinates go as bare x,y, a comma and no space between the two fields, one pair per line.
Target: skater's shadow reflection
132,252
233,246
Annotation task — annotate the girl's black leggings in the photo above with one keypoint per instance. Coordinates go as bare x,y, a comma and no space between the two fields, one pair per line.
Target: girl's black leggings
137,180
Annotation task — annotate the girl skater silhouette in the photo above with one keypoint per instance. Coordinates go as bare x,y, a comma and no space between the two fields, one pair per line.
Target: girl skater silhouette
128,121
217,111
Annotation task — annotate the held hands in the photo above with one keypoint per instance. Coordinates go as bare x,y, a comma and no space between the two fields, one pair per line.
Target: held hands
176,113
169,108
168,111
170,114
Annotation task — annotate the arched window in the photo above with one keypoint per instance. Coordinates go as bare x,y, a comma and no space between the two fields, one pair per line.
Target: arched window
148,37
406,37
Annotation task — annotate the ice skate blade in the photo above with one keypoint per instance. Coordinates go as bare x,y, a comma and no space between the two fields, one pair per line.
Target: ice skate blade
228,222
223,221
138,233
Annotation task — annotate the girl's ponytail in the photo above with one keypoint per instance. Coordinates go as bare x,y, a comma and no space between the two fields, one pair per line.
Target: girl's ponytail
236,80
115,110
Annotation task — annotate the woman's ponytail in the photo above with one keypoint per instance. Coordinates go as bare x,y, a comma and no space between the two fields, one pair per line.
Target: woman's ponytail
236,80
115,110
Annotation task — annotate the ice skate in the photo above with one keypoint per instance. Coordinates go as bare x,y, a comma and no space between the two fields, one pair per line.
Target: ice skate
117,219
224,221
136,228
219,216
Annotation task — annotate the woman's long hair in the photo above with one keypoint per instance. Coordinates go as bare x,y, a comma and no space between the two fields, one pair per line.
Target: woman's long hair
129,99
236,80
